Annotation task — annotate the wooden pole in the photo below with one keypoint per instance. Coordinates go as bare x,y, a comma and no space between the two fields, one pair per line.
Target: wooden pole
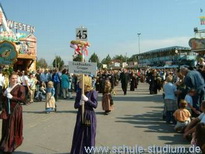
83,105
83,92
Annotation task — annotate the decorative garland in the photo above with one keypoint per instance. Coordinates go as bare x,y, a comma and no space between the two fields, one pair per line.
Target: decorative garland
80,47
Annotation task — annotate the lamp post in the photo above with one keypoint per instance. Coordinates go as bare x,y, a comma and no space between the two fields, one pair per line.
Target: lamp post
139,41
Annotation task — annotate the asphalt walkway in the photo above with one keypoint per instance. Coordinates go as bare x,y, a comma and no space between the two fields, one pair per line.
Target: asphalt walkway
136,123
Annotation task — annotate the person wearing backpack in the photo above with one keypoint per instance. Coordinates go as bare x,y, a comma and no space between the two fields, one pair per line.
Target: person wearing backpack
56,80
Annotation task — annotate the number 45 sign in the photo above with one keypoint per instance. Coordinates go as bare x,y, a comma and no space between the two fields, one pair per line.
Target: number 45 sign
81,34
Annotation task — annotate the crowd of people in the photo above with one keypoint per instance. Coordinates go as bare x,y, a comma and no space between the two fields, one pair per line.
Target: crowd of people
183,88
183,95
23,88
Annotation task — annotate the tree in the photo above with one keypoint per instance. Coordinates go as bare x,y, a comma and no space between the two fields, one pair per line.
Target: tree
58,63
41,63
107,60
78,58
94,58
132,59
120,58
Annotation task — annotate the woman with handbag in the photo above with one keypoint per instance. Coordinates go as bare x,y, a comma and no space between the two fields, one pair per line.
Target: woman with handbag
12,124
85,127
107,101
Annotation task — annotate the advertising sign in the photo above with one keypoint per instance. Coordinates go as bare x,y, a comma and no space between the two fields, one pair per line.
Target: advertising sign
8,53
82,68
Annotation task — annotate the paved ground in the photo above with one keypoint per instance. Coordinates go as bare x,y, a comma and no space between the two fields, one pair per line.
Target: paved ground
136,121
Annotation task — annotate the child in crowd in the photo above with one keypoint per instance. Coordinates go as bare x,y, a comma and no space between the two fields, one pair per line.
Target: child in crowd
40,94
190,129
50,99
182,116
107,101
194,112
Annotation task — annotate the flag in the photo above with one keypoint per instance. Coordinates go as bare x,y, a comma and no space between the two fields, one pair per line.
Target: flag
202,20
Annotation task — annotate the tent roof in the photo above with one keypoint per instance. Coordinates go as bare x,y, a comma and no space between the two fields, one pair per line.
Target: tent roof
172,48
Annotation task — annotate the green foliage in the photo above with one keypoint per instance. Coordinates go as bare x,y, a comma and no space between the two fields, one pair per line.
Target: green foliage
58,63
78,58
120,58
41,63
132,59
94,58
107,60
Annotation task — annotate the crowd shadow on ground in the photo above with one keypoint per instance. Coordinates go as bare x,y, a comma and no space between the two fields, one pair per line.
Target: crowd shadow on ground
44,112
21,152
135,98
152,122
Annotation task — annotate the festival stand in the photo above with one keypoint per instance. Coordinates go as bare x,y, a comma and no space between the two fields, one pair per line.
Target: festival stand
25,44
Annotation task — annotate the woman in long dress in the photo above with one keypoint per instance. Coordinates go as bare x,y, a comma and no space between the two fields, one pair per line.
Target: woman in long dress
85,131
133,81
12,124
107,101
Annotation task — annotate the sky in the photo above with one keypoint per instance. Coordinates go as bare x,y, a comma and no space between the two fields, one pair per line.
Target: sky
112,25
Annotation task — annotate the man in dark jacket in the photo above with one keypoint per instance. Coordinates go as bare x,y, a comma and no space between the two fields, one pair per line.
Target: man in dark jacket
124,78
194,80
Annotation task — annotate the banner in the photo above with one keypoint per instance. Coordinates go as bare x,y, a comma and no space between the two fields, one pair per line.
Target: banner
82,68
